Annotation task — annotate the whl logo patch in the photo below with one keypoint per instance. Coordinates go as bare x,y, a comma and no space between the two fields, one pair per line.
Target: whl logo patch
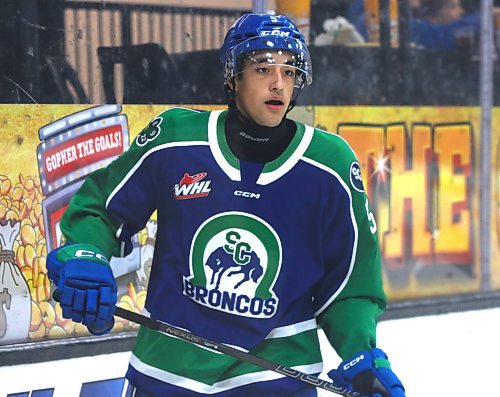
192,186
235,261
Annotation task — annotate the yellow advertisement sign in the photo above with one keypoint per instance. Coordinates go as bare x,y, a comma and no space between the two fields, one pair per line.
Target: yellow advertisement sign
47,150
421,170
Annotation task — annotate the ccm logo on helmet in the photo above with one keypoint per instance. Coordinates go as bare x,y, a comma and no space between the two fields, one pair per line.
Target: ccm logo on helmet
353,362
274,33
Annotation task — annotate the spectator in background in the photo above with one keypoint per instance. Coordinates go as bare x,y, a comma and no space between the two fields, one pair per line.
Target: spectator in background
441,24
435,24
442,11
357,15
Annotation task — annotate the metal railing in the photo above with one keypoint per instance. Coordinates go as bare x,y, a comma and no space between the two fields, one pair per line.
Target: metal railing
89,25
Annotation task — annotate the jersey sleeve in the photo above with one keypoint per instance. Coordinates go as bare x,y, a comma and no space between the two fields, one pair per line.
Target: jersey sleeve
350,297
115,202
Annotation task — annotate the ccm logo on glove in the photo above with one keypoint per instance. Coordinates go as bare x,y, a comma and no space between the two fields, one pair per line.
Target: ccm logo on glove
86,254
368,373
353,362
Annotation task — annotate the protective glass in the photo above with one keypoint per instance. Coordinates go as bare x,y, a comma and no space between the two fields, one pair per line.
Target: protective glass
299,56
260,59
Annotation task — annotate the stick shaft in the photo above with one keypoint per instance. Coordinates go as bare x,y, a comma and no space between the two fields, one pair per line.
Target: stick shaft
230,351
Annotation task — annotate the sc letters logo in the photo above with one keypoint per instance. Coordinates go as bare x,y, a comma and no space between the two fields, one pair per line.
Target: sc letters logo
355,177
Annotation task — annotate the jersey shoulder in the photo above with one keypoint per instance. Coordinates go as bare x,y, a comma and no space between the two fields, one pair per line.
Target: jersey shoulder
175,125
332,152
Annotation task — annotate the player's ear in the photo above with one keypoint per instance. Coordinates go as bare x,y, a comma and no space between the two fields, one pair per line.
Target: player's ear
231,83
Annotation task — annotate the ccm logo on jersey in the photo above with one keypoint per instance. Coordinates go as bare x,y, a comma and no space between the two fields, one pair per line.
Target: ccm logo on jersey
192,186
241,193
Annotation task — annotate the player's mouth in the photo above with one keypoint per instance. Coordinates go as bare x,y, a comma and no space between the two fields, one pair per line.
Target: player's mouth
274,104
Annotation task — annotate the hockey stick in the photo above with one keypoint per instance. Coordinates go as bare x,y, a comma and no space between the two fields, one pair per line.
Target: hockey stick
230,351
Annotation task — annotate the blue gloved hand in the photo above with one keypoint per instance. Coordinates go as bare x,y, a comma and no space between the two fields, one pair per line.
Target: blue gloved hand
86,287
370,374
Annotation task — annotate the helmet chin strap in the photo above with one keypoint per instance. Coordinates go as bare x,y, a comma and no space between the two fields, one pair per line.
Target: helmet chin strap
295,95
229,92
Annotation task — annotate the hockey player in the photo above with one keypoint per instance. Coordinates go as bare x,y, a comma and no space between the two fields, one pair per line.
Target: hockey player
264,233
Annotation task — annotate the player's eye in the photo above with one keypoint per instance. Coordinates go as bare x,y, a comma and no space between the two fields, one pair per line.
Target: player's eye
262,69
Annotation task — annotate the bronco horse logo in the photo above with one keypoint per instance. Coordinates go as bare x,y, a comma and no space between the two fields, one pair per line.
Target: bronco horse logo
234,262
220,261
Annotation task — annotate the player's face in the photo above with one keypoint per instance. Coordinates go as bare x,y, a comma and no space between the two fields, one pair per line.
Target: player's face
450,12
415,4
264,89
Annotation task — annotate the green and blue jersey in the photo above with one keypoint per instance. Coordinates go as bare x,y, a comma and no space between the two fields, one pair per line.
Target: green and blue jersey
256,256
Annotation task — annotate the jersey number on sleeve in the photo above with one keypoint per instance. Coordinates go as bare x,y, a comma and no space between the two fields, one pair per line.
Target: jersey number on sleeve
150,133
371,218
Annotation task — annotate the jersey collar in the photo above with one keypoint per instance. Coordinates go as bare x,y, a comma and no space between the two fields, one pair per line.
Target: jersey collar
272,170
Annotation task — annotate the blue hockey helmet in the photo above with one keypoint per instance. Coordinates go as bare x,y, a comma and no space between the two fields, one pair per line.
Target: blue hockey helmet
256,32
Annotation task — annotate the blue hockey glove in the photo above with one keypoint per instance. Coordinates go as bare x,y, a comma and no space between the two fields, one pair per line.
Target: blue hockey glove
370,374
86,287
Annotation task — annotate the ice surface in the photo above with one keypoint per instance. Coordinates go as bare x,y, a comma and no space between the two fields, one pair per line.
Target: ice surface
449,355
